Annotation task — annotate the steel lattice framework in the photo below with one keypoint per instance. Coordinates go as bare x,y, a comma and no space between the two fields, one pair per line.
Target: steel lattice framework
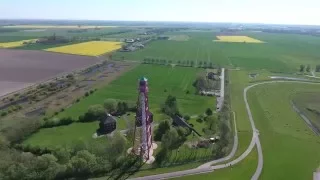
142,143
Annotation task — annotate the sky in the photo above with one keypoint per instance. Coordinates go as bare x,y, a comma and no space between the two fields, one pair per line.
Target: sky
239,11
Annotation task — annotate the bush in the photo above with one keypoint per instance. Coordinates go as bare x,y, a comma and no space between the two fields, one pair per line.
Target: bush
199,120
3,113
94,113
91,91
186,117
78,100
62,109
55,122
86,94
56,113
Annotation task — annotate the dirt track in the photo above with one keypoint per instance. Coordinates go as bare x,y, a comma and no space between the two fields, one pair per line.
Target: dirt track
19,68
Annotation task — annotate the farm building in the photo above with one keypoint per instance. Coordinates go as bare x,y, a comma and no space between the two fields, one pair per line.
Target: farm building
179,121
107,125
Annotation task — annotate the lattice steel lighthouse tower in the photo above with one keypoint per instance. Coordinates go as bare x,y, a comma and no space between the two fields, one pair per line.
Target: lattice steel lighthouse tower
142,143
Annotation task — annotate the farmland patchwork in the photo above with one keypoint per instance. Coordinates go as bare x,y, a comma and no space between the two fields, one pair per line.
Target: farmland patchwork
92,48
240,39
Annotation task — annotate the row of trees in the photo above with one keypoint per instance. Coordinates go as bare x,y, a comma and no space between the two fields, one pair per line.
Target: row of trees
304,68
186,63
95,113
307,68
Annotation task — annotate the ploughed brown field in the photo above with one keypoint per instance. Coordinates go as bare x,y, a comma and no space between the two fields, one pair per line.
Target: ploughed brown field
20,68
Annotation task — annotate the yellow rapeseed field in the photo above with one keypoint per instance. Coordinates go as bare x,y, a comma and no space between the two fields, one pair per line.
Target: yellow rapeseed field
92,48
241,39
14,43
56,27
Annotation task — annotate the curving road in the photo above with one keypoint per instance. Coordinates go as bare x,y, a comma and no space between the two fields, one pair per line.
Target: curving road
209,167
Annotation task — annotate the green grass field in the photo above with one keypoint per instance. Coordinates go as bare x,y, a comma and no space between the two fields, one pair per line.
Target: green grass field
290,148
242,171
280,53
176,81
307,102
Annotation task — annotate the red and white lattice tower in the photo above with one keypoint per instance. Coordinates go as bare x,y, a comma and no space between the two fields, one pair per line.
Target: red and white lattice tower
142,143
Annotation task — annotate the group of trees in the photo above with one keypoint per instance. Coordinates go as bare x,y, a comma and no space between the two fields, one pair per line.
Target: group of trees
204,84
205,64
170,107
95,113
115,107
83,160
304,68
171,138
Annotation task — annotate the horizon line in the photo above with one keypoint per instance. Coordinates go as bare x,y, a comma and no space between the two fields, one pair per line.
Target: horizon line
159,21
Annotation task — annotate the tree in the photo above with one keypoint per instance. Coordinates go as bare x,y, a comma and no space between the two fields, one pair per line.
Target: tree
4,144
318,68
210,65
182,132
211,122
169,139
117,145
170,106
47,166
16,171
209,112
110,105
163,127
186,117
200,64
302,67
62,155
161,156
191,63
205,64
125,106
96,110
201,84
120,108
308,68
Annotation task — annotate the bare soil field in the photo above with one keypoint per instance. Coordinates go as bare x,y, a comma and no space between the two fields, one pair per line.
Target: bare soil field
19,68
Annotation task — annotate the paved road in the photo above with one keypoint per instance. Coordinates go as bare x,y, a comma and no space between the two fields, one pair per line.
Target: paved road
221,98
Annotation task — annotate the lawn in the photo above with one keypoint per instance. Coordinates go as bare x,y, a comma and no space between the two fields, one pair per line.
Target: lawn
309,105
280,53
63,136
163,81
290,148
198,126
241,171
175,81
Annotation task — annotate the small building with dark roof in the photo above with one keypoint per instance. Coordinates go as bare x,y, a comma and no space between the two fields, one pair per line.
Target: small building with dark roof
107,125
